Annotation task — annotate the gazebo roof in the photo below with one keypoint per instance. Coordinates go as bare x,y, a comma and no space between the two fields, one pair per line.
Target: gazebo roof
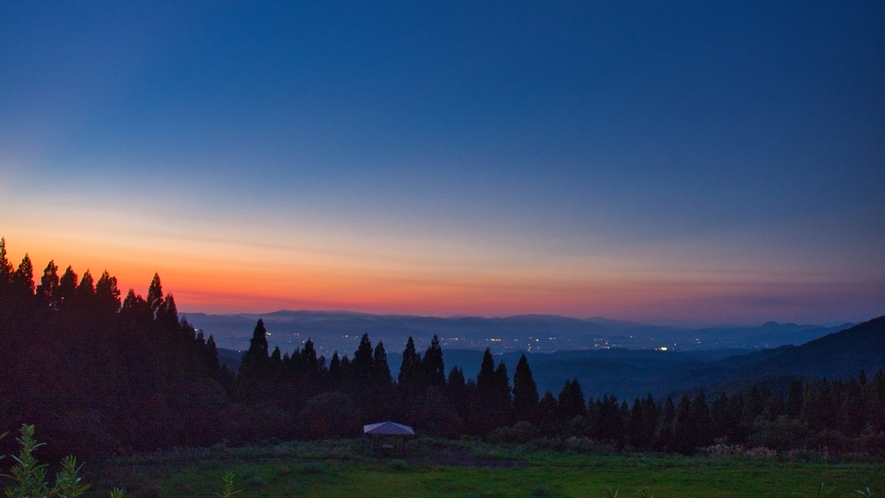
388,429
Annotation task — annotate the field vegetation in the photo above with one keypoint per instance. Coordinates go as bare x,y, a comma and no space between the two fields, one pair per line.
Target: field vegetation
437,468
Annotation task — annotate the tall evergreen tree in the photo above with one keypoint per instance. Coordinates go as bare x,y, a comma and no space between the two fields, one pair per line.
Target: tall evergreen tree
525,393
683,429
23,278
636,435
48,288
5,266
335,378
484,416
256,360
167,316
107,295
362,361
457,392
549,411
155,294
503,408
664,432
410,371
485,381
85,295
701,421
571,401
380,373
213,366
310,363
609,420
433,366
67,288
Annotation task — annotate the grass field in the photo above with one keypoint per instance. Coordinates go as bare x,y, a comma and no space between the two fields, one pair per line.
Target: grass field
434,469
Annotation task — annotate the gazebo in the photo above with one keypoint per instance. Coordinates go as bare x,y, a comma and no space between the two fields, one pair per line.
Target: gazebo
388,437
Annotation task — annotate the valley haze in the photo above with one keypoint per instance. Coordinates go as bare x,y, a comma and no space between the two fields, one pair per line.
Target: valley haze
341,331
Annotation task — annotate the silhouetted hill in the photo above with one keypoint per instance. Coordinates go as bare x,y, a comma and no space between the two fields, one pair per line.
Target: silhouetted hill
841,354
838,355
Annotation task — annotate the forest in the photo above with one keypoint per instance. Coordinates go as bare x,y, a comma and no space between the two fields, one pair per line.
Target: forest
100,373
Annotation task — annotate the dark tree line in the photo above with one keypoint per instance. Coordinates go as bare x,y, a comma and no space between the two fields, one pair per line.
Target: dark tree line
98,374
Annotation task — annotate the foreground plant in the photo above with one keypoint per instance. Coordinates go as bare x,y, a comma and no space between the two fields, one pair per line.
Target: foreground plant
228,489
29,477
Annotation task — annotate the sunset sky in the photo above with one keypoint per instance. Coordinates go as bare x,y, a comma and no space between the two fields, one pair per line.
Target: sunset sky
667,162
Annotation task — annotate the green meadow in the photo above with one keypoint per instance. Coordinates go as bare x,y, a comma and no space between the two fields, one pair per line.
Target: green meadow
440,469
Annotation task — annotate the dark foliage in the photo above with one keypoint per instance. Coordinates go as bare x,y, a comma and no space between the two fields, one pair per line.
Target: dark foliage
99,375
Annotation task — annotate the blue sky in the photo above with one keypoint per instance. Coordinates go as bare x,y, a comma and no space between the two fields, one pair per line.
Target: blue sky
689,162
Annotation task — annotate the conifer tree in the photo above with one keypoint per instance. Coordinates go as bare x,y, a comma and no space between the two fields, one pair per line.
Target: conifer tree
276,359
701,421
484,414
380,373
457,393
571,401
211,358
503,408
485,381
609,420
664,431
167,315
48,288
135,314
636,435
335,378
155,294
85,295
683,429
5,267
67,288
410,371
256,360
107,295
525,393
23,278
362,361
549,410
433,366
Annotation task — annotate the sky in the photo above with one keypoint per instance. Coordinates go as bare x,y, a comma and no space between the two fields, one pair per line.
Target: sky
665,162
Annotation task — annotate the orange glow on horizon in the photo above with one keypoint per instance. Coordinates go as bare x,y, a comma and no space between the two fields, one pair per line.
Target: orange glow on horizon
228,276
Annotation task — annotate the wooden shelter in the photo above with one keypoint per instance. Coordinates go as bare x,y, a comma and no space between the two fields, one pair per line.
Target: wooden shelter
388,437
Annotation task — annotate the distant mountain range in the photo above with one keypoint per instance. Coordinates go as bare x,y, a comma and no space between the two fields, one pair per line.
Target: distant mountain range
341,331
627,373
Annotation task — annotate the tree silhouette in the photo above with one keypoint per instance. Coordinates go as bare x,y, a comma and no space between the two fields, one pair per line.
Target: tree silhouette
410,371
5,266
433,366
23,278
47,291
107,295
256,361
67,288
525,393
155,294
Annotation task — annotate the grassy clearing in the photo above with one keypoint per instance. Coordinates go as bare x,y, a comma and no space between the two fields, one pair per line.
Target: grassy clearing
333,469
